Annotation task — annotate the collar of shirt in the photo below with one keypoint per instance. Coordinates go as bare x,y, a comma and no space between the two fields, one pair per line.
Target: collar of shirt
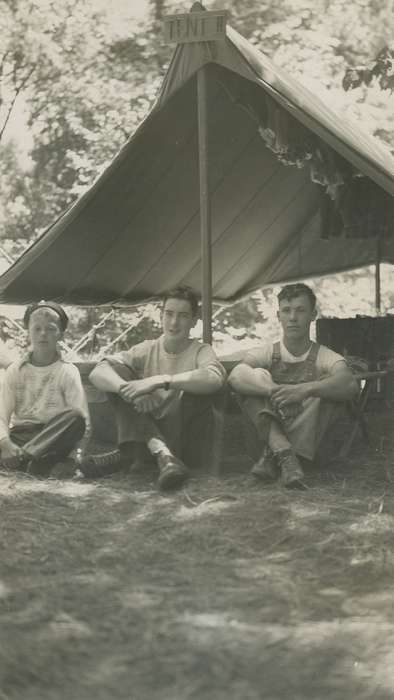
26,357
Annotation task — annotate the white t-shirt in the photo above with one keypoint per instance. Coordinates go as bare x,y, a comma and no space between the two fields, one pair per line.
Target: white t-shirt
261,356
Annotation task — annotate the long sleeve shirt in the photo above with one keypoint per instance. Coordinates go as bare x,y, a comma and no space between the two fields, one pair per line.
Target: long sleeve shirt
32,394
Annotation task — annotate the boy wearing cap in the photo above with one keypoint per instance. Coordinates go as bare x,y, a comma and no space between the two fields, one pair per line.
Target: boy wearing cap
43,409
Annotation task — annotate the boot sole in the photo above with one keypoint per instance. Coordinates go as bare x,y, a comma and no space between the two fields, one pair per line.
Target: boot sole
171,481
262,476
297,483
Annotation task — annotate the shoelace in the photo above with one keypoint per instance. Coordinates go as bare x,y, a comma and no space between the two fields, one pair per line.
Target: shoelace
106,459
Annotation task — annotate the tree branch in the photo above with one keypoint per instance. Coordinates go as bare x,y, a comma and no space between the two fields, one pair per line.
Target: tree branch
11,107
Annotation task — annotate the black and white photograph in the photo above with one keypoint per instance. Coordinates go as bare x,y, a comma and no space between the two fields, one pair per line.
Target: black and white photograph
196,350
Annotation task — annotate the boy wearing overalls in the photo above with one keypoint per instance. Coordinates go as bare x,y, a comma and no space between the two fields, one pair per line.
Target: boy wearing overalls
289,389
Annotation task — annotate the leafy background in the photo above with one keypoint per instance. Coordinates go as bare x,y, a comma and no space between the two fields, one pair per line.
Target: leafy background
78,76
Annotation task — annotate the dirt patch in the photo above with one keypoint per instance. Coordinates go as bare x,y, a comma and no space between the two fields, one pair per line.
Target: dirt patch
226,590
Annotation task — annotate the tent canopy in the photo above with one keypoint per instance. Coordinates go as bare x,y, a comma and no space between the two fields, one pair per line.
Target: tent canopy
136,231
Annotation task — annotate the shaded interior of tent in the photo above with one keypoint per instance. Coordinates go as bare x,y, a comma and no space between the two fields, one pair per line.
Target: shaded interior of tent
285,206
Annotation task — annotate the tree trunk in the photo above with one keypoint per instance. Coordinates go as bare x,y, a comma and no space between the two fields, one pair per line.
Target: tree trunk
158,8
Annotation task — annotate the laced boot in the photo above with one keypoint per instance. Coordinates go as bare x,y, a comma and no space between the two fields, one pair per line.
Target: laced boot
101,465
17,463
173,472
40,466
292,475
266,468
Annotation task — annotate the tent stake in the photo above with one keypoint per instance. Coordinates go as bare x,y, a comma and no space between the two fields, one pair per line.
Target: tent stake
205,206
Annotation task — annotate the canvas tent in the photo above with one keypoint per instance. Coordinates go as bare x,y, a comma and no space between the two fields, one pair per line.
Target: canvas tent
279,163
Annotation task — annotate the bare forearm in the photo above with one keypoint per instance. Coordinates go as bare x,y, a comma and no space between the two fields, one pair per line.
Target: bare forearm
251,382
105,378
197,381
339,387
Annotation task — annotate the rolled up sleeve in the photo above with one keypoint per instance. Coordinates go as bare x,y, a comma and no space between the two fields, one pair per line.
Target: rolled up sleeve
133,358
206,359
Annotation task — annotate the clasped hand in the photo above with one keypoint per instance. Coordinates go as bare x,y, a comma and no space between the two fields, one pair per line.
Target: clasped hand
139,387
144,394
286,394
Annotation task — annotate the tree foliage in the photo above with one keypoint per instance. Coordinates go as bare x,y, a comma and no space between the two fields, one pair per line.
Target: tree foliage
83,83
80,82
381,70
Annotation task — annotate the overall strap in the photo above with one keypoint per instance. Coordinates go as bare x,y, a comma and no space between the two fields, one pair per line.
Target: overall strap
310,362
312,357
276,356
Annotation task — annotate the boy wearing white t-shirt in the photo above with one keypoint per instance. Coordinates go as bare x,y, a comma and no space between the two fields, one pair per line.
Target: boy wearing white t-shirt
289,389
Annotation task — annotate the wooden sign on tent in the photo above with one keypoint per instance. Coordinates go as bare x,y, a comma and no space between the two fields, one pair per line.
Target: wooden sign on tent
199,26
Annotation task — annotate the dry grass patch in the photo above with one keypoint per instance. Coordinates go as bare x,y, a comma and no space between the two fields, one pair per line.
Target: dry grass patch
226,590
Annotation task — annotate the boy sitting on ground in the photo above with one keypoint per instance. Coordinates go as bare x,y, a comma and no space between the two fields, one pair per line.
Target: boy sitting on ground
161,391
43,409
291,389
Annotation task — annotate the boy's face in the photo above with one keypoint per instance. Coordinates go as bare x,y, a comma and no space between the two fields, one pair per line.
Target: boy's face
177,319
44,331
295,316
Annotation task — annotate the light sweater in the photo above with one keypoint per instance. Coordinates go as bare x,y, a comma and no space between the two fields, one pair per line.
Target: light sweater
32,394
150,358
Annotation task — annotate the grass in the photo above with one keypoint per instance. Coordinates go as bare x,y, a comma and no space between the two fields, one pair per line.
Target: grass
226,590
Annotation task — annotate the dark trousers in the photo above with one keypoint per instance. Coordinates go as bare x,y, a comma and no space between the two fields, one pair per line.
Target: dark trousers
47,443
187,431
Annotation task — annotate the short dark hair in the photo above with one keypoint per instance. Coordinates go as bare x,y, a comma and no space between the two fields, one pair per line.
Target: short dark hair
185,294
290,291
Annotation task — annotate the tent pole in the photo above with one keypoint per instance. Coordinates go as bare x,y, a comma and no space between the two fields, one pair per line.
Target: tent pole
377,277
205,206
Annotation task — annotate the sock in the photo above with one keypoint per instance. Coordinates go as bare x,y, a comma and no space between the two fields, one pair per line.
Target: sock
282,451
156,446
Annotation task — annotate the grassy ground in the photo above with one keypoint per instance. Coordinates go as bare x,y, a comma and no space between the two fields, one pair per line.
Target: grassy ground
226,590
